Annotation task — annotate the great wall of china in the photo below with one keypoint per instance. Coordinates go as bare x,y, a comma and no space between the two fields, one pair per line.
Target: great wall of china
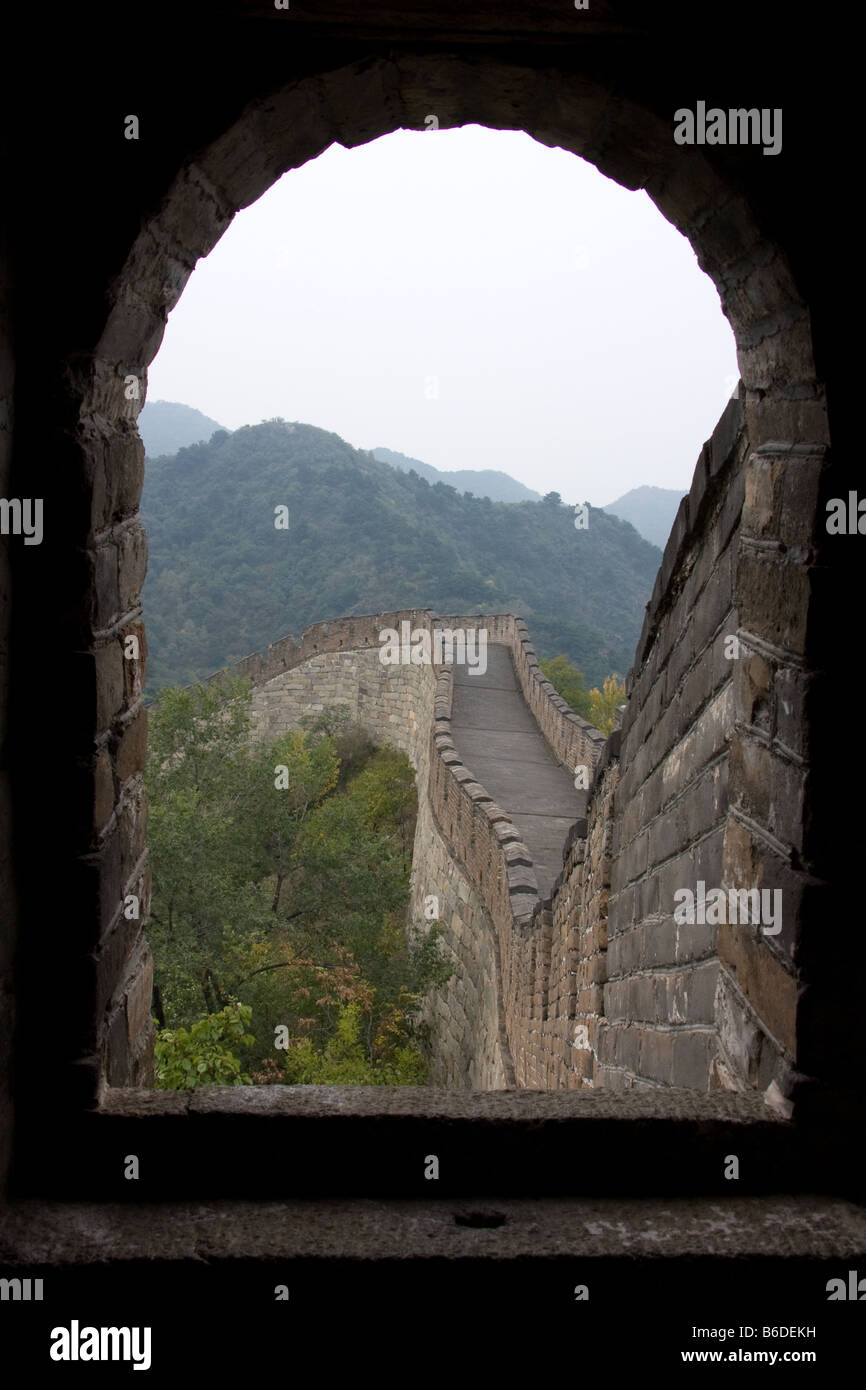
576,973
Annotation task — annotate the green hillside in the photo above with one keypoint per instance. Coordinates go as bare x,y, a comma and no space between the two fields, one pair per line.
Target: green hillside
223,581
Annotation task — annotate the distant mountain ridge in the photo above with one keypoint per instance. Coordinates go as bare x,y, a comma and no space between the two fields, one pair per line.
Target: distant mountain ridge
365,537
650,510
166,426
482,482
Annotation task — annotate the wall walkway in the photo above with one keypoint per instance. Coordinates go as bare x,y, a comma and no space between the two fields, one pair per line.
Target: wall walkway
497,736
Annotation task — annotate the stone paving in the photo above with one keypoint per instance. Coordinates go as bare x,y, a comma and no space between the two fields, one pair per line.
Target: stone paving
501,744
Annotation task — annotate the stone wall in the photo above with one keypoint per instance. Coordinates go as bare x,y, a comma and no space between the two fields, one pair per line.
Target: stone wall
467,852
469,1044
548,989
653,1001
8,892
508,1014
669,829
600,986
338,663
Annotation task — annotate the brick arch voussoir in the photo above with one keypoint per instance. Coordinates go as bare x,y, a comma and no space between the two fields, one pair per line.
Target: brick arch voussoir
353,105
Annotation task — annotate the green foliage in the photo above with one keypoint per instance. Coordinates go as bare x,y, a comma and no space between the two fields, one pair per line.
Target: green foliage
597,706
352,744
366,538
567,680
279,882
604,703
201,1055
345,1062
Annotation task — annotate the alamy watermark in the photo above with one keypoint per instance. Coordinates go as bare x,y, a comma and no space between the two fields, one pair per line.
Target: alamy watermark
447,647
847,518
22,517
76,1343
21,1290
733,127
736,907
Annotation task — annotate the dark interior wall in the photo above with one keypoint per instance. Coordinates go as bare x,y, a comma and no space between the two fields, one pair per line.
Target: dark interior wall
99,249
7,877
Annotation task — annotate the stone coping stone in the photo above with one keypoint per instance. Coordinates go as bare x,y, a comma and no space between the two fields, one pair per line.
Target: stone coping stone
519,1105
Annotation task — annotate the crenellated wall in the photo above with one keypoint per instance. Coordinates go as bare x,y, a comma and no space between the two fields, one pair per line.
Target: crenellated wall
338,663
467,852
467,1025
600,985
491,1023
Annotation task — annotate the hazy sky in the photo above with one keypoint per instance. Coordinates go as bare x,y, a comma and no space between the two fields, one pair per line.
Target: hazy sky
470,298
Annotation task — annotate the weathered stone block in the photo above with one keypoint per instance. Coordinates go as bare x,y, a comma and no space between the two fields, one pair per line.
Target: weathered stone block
132,747
110,683
694,992
656,1055
660,942
103,789
773,599
691,1060
762,977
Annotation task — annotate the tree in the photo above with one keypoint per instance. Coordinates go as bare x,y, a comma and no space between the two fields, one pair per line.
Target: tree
604,703
568,681
344,1060
279,897
221,836
553,499
352,743
202,1055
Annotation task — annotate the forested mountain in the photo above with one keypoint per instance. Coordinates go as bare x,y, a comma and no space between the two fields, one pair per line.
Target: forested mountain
224,581
166,426
650,510
483,482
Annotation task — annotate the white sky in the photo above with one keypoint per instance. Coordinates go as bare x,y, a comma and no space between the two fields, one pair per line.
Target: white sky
572,337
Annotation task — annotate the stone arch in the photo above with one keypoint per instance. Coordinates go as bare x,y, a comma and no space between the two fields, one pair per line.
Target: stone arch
627,142
282,129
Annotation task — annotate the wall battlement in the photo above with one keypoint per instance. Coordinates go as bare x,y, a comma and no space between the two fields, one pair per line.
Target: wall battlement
598,985
467,850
